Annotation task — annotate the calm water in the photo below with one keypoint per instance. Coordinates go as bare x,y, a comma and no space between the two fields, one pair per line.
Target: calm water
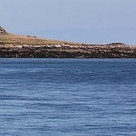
67,97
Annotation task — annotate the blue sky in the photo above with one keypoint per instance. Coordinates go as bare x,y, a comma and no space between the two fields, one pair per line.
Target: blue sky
87,21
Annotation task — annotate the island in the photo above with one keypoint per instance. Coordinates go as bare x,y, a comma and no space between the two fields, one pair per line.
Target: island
17,46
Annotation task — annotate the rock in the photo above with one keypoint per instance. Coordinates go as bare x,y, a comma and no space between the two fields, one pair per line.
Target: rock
31,36
2,30
57,51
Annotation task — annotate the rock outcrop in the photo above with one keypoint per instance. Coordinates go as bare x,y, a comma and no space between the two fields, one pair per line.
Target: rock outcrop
2,30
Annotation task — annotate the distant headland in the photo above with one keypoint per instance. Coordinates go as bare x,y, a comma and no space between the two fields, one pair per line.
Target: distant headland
16,46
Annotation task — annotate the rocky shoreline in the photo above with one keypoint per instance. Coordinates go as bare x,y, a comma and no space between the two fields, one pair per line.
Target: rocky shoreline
115,50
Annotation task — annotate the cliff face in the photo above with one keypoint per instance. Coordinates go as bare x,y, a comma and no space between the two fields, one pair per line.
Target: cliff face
26,47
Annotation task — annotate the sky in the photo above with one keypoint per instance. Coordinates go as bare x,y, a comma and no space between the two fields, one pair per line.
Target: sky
86,21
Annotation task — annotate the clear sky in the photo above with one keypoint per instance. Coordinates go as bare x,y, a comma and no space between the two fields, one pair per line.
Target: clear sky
88,21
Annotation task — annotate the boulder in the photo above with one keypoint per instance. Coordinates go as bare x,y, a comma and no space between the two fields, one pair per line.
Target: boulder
2,30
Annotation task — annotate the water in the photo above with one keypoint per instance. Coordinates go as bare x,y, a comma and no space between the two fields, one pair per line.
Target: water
67,97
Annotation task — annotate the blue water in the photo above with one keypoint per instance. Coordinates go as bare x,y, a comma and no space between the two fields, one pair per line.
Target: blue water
67,97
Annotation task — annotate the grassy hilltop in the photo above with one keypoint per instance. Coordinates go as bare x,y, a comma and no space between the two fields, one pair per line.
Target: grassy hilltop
12,39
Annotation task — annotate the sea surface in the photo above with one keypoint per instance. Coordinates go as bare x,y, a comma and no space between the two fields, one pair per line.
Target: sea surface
67,97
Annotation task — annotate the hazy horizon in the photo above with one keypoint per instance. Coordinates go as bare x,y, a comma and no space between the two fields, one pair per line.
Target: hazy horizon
88,21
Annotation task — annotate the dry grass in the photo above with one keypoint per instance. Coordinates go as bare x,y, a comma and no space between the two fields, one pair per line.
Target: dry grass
12,39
